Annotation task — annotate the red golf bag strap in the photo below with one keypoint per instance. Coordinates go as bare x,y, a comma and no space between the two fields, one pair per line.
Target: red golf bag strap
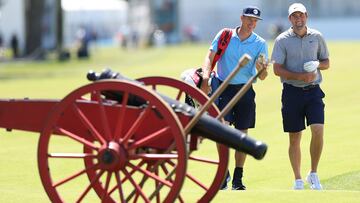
223,42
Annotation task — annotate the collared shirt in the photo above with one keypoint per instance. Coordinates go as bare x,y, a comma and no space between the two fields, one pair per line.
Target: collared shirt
253,45
292,52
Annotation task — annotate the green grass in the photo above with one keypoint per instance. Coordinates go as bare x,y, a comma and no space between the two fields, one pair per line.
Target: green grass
268,180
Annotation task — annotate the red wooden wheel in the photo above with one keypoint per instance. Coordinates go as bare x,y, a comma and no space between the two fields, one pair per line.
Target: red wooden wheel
119,141
204,186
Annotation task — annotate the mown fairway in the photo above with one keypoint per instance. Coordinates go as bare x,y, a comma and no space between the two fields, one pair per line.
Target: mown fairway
268,180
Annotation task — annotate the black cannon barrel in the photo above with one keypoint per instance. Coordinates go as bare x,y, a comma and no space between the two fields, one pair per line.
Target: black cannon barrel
231,137
207,126
211,128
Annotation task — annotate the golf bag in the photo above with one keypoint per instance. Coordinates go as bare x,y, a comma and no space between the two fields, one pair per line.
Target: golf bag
194,76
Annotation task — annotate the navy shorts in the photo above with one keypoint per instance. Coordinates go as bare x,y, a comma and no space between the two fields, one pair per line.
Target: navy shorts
299,104
242,115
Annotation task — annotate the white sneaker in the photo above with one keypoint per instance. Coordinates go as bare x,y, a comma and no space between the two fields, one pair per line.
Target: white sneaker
313,180
298,184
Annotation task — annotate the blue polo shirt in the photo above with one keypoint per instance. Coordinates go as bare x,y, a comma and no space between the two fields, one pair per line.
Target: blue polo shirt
253,45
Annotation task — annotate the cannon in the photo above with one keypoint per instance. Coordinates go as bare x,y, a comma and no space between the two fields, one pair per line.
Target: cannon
207,126
120,140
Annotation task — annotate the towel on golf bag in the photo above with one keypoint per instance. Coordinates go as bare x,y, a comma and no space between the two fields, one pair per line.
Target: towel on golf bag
192,77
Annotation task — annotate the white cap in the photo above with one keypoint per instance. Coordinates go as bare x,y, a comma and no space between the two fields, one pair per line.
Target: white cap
296,7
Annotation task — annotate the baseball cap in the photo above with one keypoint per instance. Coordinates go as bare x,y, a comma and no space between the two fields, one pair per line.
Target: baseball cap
296,7
252,11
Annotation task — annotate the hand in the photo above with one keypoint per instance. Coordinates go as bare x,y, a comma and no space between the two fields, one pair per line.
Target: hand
308,77
311,66
204,86
261,64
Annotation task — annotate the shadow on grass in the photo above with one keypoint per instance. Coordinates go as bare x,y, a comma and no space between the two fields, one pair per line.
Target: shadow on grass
347,181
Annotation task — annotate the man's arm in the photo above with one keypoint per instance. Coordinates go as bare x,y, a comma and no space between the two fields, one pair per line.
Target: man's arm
206,71
324,64
280,71
323,54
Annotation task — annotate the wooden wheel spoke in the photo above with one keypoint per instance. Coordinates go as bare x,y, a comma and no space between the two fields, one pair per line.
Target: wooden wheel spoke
191,177
137,187
179,95
154,156
121,116
181,199
119,186
196,181
137,124
171,163
163,167
103,117
204,160
137,195
75,175
141,184
107,183
95,179
150,138
151,175
157,183
88,125
158,188
71,155
166,171
153,86
77,138
125,178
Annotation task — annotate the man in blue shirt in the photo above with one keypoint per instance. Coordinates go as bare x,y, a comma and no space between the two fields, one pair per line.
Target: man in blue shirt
242,116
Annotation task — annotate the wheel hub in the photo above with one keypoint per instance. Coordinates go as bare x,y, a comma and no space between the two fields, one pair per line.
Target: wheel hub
112,157
107,157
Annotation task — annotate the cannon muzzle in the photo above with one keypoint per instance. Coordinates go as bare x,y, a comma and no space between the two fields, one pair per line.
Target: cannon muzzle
214,130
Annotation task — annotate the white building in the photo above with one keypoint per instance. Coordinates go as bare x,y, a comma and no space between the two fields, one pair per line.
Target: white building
205,17
103,17
12,21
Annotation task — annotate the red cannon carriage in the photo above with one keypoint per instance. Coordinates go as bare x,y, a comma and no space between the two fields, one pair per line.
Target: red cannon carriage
121,141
